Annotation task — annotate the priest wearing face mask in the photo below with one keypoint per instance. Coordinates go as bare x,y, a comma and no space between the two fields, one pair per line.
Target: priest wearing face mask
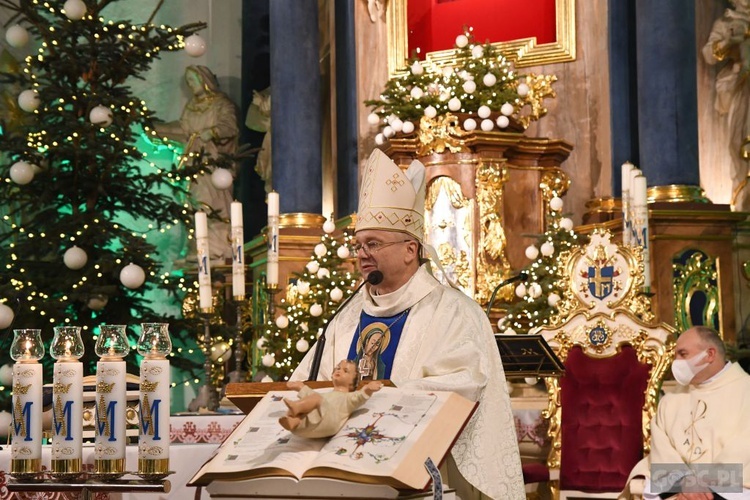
706,420
424,335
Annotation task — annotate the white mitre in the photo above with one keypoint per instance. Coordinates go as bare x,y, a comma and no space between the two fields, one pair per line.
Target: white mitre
390,198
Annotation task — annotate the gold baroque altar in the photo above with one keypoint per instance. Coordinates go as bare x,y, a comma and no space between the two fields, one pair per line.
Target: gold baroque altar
486,196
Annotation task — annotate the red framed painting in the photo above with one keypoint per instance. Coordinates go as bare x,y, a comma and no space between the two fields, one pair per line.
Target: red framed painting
528,32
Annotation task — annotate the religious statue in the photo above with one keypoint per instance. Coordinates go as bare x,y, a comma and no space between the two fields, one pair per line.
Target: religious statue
322,414
259,119
209,124
728,43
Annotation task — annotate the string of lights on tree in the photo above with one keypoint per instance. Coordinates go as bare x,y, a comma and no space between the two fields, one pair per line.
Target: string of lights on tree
477,81
540,293
81,203
326,281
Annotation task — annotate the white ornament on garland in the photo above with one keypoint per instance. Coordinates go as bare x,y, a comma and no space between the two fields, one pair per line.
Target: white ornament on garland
323,273
510,331
416,68
523,90
132,276
397,125
470,124
507,109
268,359
566,224
416,93
462,41
469,86
222,178
489,80
454,104
282,322
303,287
408,128
388,132
220,352
535,290
379,139
430,111
502,121
22,172
553,299
6,316
261,343
75,258
556,203
74,9
337,294
101,116
547,248
97,301
487,125
521,290
373,119
195,45
320,250
29,100
343,252
329,226
477,51
484,111
17,36
313,266
532,252
266,378
316,310
302,345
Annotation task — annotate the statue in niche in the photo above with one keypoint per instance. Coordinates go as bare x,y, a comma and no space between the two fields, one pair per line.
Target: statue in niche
209,124
259,119
729,44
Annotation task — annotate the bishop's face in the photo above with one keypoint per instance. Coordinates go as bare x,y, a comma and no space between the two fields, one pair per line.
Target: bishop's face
393,253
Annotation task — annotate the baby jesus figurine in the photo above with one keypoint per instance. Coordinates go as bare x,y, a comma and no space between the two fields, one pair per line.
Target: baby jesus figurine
318,415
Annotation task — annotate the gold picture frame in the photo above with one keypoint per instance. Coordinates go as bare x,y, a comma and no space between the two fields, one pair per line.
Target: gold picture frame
523,52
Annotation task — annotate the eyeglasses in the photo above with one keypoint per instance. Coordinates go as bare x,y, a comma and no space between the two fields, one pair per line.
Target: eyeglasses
372,247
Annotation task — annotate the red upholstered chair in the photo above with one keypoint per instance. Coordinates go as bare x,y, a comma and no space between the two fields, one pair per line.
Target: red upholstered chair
615,356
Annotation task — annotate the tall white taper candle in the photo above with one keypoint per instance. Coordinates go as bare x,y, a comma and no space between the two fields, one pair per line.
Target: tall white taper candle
204,266
238,255
626,168
272,268
640,209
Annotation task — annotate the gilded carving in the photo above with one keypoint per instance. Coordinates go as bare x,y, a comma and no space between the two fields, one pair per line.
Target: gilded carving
540,87
695,276
436,135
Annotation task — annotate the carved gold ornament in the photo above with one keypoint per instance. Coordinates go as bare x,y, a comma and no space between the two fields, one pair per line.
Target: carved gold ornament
436,135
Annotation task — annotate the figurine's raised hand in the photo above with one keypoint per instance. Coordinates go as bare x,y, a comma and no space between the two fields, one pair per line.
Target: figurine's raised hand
295,385
373,386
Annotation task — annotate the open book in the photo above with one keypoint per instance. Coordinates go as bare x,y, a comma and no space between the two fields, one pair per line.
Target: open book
385,442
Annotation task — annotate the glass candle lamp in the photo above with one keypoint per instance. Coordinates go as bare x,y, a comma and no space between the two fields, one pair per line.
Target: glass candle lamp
26,442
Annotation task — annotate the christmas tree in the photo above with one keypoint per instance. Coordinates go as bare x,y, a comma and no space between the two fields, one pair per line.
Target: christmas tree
541,290
82,204
318,291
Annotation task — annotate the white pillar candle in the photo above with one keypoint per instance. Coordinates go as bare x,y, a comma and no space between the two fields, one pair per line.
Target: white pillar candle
110,438
26,442
238,252
626,168
153,439
67,417
204,266
272,268
640,207
634,172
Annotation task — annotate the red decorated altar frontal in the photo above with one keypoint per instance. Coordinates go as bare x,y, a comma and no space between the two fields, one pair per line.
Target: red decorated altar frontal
434,24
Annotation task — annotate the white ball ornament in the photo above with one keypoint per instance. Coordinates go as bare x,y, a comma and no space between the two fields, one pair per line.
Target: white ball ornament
312,266
462,41
320,250
444,96
464,75
521,290
316,310
397,125
507,109
535,290
556,203
417,69
447,72
531,380
195,45
261,343
416,93
408,128
282,321
17,36
547,248
454,104
469,86
470,124
337,294
430,111
484,111
329,226
532,252
221,178
566,224
268,359
323,273
489,80
6,375
388,131
343,252
29,100
6,316
220,352
373,119
101,116
22,173
132,276
502,121
5,420
487,125
74,9
302,345
379,139
266,378
477,51
303,287
523,90
553,299
97,301
75,258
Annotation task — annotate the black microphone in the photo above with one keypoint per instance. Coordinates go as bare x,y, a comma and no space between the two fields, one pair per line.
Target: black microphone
518,277
374,278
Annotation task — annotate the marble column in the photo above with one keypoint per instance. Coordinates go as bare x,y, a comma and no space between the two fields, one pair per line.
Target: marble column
296,105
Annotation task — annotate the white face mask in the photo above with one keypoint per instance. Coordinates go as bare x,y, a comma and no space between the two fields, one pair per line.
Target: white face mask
685,370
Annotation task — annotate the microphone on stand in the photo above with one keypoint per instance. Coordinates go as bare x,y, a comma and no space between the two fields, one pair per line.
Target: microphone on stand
374,278
518,277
